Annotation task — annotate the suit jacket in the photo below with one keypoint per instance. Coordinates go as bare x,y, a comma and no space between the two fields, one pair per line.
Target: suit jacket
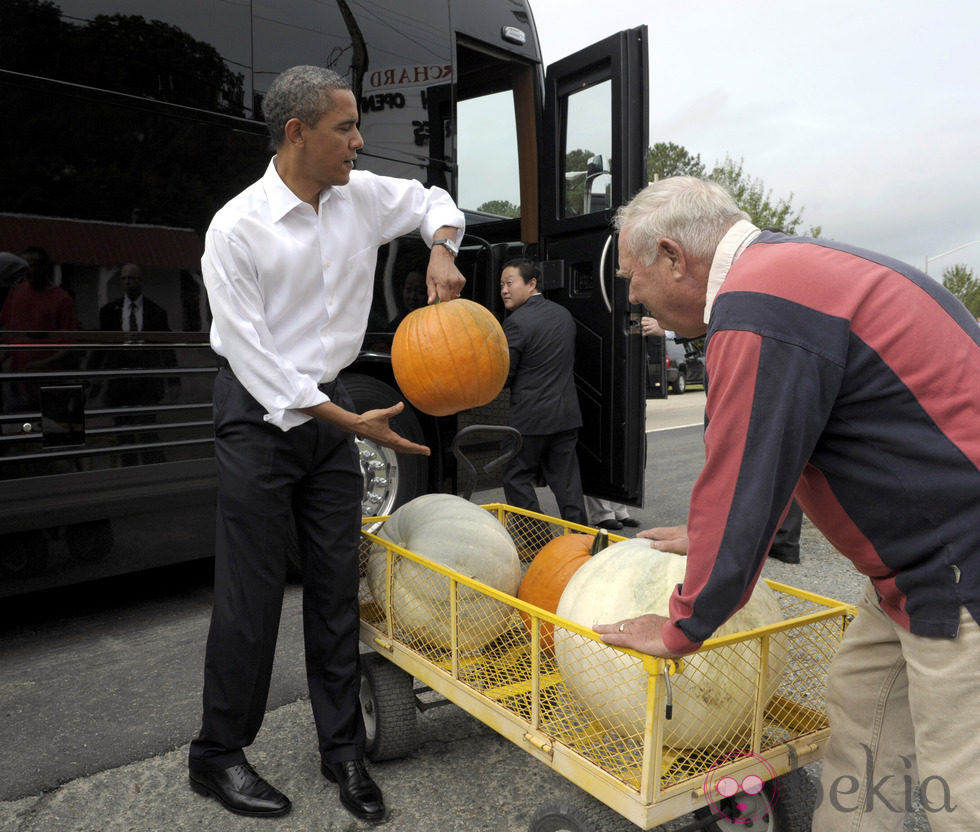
134,391
541,338
154,316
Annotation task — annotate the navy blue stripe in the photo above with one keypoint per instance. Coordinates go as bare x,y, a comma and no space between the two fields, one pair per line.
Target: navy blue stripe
925,515
780,438
824,396
867,433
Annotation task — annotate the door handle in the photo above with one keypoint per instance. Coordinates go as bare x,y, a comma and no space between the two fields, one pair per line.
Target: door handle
602,272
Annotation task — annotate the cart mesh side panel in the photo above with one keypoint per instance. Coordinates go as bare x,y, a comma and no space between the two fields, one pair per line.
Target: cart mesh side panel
639,720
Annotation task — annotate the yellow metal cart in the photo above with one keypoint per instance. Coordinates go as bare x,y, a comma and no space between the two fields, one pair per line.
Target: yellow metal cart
492,655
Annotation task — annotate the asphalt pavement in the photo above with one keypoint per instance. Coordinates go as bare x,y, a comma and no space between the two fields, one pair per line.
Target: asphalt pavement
463,776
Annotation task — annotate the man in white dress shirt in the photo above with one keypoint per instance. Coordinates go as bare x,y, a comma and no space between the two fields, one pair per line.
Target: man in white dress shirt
289,270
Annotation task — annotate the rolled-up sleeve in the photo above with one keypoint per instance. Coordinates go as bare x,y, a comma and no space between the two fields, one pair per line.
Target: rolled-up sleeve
239,329
291,284
404,205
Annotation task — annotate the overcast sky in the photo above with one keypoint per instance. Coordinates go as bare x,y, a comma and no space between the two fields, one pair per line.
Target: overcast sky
868,113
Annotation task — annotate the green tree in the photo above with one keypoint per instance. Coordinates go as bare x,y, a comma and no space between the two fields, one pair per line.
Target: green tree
666,159
576,165
757,201
500,208
960,281
577,160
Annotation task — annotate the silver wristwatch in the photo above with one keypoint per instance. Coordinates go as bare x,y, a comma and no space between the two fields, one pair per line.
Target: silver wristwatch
448,243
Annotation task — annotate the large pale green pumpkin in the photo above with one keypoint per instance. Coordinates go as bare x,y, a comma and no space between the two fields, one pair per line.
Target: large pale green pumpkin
458,534
713,698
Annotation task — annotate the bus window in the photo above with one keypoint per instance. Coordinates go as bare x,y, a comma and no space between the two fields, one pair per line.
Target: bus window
489,173
290,32
588,157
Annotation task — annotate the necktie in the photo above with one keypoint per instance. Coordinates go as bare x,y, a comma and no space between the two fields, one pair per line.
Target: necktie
133,326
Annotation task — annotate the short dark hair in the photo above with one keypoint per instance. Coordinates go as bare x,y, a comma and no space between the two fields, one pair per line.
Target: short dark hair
528,269
301,92
40,252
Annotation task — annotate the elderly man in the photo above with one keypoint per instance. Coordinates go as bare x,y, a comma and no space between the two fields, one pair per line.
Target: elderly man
289,270
817,387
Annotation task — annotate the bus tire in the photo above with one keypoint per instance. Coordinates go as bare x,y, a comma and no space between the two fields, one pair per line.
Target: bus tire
390,479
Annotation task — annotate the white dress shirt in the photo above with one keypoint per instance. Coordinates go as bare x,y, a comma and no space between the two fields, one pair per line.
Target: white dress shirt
290,288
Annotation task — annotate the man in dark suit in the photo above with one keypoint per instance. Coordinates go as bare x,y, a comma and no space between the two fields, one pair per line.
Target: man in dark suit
543,401
135,313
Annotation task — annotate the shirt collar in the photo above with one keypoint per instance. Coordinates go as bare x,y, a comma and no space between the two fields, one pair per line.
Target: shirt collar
281,198
529,299
729,249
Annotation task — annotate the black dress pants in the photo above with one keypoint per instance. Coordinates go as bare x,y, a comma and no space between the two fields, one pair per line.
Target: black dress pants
555,455
786,543
271,482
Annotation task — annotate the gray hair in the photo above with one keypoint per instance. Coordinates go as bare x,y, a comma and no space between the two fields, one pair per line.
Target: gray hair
302,92
693,212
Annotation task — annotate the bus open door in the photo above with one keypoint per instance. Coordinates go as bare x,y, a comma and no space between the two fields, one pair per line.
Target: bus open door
594,160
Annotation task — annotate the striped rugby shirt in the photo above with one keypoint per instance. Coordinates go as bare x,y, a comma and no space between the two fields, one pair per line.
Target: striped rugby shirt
854,379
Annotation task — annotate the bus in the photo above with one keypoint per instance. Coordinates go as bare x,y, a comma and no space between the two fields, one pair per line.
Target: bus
130,122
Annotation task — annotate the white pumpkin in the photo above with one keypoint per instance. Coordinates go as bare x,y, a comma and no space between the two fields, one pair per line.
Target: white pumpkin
712,698
458,534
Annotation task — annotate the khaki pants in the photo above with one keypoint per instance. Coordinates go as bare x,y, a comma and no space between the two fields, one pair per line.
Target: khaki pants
902,708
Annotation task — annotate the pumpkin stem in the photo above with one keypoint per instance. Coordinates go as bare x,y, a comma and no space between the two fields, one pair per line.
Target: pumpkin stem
600,542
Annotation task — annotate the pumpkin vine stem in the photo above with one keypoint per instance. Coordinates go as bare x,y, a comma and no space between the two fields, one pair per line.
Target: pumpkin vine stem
599,542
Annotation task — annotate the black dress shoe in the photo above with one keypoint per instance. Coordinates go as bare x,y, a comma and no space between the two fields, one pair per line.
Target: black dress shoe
358,792
612,525
632,522
240,790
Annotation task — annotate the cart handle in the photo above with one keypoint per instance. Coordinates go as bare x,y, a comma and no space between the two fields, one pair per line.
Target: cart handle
507,456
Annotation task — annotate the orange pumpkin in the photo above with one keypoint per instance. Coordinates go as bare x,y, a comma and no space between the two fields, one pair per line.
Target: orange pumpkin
450,356
551,570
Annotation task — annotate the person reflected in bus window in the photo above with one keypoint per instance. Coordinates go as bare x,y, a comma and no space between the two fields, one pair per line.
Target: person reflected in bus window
13,269
288,267
395,296
413,292
543,400
41,310
413,295
135,313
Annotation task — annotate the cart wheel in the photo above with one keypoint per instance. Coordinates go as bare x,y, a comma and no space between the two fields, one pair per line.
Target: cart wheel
791,811
589,815
388,707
